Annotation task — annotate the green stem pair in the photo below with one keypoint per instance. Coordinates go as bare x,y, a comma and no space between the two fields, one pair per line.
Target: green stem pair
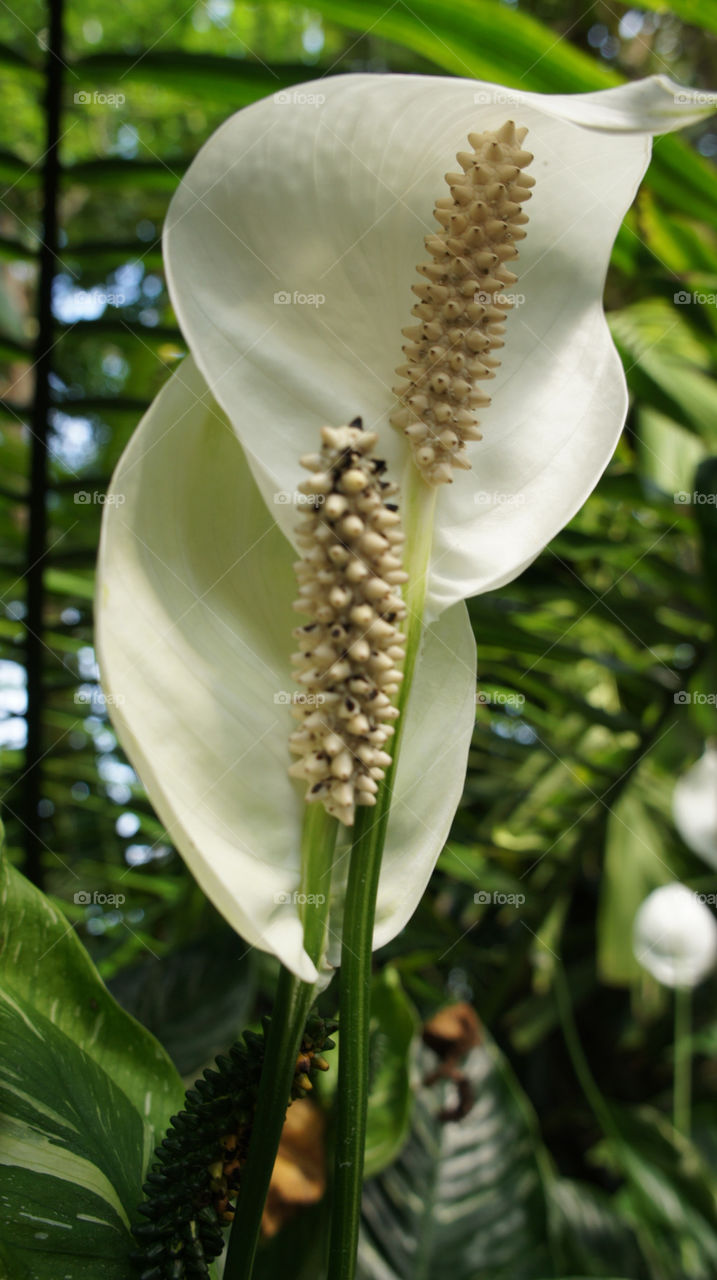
291,1009
294,998
359,913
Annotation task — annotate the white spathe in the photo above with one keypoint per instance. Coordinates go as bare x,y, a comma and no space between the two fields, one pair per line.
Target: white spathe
194,622
675,937
694,806
291,247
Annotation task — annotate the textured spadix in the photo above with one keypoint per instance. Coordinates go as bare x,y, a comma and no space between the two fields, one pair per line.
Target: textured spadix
463,305
348,662
292,244
194,623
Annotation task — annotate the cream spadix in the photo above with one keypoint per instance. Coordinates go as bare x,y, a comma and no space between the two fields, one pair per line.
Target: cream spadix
348,661
463,306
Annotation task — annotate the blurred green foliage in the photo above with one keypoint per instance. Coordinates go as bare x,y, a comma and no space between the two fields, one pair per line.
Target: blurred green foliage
579,735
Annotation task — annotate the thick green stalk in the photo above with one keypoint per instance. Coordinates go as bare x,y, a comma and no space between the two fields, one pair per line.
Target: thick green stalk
291,1008
359,914
682,1081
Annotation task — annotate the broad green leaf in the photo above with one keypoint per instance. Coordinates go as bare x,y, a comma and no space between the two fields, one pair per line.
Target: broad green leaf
44,963
85,1093
393,1025
656,341
195,1000
669,1193
477,38
635,864
220,77
590,1233
71,1152
465,1197
669,453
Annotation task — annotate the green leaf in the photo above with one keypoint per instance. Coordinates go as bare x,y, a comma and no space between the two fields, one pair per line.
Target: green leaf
590,1232
85,1094
393,1025
670,1193
43,961
667,363
669,453
635,864
195,1000
698,13
223,77
477,38
464,1199
71,1152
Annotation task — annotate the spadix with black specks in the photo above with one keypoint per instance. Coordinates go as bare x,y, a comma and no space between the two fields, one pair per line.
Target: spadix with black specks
349,658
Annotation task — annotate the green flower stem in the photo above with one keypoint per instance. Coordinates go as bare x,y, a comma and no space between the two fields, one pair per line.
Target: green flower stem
586,1079
291,1009
360,911
682,1082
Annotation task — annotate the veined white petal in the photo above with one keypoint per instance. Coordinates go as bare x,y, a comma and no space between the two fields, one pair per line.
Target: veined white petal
694,806
292,244
653,105
194,628
194,622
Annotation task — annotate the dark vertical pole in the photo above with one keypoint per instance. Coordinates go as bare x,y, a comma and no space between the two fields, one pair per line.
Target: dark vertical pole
37,530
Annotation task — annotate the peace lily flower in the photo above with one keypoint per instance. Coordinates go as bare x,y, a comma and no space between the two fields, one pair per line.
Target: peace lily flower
195,622
675,937
292,245
694,806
